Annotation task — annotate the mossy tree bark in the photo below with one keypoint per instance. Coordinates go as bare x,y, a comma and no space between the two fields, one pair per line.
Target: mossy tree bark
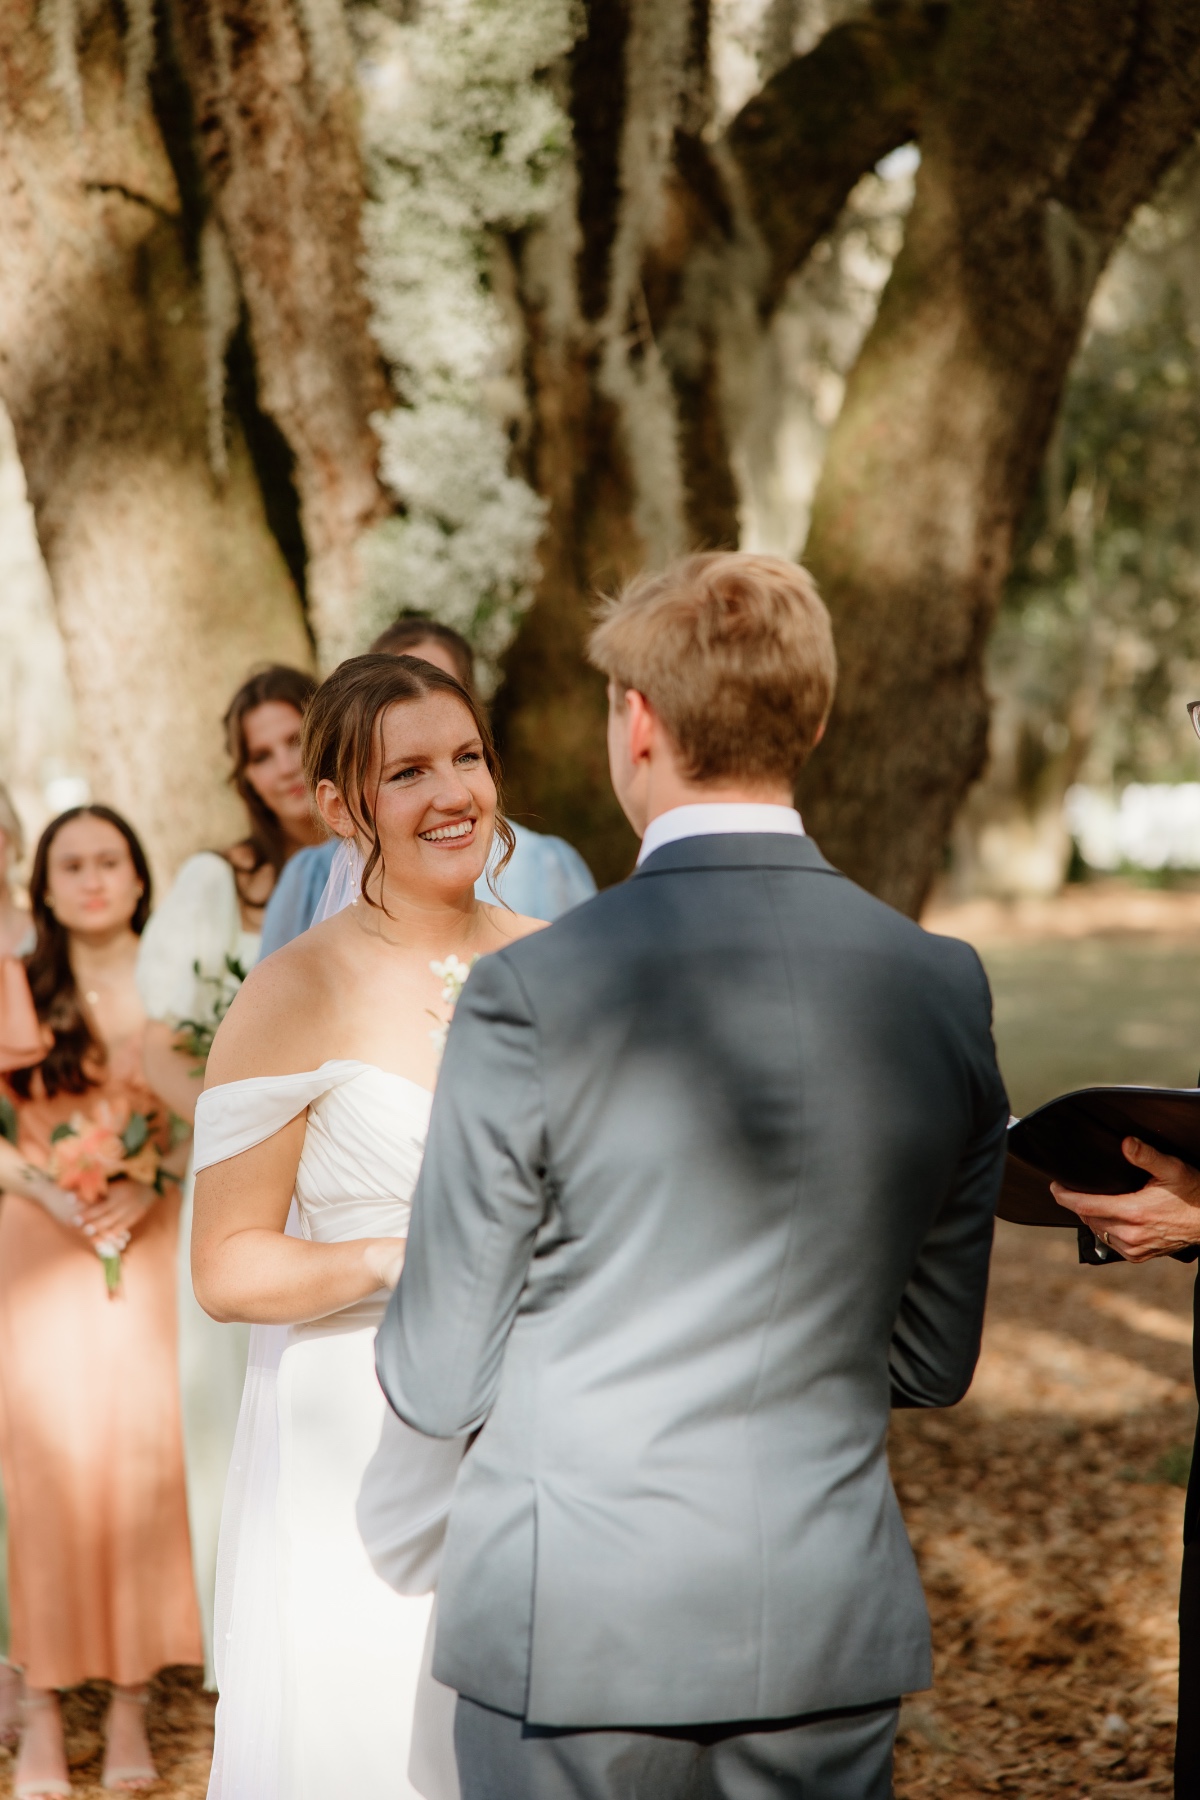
677,240
628,440
1041,130
168,582
579,281
277,127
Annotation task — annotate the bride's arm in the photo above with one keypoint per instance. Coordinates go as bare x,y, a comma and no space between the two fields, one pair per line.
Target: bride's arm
243,1267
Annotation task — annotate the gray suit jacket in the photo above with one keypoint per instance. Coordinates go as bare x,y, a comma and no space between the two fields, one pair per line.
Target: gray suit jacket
709,1184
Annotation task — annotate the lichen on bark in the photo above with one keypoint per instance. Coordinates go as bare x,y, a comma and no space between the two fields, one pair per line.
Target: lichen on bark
466,145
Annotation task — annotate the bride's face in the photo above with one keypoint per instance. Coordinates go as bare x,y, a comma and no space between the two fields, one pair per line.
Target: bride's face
433,796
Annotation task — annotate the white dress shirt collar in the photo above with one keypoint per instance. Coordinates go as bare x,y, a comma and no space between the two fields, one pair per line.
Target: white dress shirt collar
710,818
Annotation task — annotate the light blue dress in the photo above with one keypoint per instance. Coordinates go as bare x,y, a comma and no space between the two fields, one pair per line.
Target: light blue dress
545,878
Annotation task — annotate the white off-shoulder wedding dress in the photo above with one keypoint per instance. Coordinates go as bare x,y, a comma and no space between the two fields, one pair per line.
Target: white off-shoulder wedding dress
322,1668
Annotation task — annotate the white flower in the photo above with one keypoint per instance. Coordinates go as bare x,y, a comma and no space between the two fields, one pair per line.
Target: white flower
453,975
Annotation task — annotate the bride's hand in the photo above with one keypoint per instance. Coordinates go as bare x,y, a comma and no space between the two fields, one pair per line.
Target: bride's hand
385,1259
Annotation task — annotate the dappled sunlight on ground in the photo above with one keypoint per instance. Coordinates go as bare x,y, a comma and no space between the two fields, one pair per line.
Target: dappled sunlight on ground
1025,1370
1047,1523
1047,1509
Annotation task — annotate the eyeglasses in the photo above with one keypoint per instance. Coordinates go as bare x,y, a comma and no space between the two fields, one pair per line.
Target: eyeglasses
1193,707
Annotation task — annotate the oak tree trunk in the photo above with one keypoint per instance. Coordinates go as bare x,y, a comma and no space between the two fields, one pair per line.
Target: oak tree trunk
626,338
277,124
1041,130
595,397
168,583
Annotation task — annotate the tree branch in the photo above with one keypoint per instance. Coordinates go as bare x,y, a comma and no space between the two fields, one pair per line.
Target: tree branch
1155,108
823,121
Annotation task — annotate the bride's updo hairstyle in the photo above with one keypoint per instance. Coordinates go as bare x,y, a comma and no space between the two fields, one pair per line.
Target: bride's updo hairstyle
344,726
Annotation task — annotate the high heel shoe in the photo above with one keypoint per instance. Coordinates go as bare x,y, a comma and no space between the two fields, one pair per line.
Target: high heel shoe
50,1787
127,1777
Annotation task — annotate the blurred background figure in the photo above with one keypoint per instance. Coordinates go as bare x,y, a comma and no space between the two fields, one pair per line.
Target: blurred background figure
197,948
16,939
90,1438
16,926
545,877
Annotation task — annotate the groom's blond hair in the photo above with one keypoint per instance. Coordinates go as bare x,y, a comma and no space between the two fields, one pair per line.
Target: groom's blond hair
734,651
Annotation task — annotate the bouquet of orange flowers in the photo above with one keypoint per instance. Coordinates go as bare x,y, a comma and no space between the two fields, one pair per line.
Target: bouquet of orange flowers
90,1151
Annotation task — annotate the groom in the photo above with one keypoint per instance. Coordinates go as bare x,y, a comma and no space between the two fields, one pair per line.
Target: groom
709,1185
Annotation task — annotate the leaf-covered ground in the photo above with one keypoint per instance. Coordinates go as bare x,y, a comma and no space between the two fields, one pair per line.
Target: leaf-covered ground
1046,1510
1047,1519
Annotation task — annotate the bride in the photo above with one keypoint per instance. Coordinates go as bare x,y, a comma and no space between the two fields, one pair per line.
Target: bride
318,1091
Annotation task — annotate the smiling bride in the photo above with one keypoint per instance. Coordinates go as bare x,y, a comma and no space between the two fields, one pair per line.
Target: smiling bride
317,1096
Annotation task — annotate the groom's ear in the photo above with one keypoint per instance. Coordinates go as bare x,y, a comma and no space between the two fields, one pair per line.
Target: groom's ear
643,726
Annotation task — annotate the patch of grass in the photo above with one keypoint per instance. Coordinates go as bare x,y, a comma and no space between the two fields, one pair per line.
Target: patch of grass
1080,1013
1174,1466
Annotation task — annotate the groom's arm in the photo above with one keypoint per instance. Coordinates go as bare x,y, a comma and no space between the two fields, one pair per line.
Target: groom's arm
935,1340
476,1212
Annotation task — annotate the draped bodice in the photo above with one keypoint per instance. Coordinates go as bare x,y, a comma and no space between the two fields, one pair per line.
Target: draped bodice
363,1142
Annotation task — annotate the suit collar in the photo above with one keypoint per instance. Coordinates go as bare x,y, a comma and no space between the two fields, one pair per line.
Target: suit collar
736,850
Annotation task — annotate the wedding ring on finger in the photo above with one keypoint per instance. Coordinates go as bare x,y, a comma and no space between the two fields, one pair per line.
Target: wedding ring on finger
1106,1240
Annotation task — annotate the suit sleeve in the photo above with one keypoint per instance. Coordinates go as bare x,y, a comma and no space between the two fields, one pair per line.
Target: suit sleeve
476,1212
935,1340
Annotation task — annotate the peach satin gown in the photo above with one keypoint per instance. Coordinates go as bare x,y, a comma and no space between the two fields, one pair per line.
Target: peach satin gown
100,1576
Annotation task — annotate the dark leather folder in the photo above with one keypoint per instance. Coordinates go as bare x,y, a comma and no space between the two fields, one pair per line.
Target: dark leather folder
1076,1140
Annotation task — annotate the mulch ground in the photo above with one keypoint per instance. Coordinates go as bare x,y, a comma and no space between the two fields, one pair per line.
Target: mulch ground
1046,1512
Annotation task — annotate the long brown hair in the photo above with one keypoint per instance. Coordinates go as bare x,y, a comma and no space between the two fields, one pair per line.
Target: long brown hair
404,634
266,840
48,966
345,720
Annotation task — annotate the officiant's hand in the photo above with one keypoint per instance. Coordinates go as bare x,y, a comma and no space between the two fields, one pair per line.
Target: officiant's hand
1160,1218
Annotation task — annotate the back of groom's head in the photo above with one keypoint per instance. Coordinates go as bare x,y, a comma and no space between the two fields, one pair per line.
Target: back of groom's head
734,652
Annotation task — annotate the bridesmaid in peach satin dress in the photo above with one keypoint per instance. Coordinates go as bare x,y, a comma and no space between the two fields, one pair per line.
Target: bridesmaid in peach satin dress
90,1435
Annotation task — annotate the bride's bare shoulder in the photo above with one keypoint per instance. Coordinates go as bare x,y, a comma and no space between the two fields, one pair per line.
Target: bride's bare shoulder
510,927
282,1013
